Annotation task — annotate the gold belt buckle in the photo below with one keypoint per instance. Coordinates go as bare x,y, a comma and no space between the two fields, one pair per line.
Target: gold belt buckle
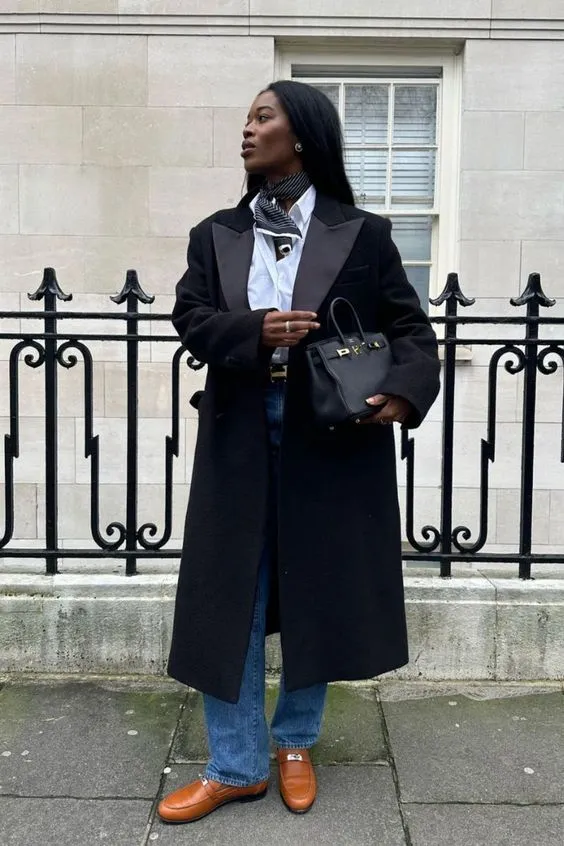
279,371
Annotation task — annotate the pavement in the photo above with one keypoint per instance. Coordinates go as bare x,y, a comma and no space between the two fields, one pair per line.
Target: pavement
83,762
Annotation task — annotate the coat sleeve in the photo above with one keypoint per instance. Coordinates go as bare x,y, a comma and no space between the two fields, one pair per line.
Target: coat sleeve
415,372
230,339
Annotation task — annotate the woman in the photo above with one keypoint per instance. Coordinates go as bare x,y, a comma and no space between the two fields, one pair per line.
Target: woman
290,528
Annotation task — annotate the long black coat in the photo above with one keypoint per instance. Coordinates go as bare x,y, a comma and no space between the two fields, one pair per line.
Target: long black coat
338,589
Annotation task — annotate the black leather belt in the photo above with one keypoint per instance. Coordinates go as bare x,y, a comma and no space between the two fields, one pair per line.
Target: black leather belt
278,372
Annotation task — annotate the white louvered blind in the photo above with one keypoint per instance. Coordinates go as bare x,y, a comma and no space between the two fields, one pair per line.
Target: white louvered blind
390,127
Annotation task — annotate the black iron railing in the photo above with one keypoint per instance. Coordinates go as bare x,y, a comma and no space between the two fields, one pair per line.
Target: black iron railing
53,348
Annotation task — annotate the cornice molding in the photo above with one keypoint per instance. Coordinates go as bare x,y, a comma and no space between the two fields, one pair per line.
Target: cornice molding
283,26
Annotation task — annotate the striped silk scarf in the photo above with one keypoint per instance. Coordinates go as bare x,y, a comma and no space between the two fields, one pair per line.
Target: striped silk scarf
271,218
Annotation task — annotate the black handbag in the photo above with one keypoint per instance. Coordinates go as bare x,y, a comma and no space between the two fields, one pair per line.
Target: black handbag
346,370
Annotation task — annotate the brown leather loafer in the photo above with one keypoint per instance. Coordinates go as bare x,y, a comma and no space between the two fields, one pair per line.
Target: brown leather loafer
298,785
200,798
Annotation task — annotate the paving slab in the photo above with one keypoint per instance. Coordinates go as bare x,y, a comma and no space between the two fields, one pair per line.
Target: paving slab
351,732
86,739
72,822
356,806
352,729
190,742
475,825
458,749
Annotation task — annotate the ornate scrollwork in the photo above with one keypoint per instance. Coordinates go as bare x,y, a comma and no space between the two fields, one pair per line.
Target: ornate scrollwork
547,368
91,445
462,535
34,359
150,530
431,534
194,364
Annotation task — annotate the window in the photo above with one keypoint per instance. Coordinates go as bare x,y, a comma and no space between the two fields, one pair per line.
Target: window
390,132
400,117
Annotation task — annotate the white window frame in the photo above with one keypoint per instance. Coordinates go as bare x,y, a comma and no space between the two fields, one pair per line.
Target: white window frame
445,235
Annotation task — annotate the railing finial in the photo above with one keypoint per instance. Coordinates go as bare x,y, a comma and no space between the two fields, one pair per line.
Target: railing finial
132,286
49,284
533,293
452,291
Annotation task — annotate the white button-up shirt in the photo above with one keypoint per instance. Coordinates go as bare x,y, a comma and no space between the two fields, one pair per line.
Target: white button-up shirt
271,282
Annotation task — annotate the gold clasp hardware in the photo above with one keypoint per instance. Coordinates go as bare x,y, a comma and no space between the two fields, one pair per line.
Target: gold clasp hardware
375,345
356,349
343,351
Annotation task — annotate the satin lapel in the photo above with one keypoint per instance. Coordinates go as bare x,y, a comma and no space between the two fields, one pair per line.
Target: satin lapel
326,249
234,251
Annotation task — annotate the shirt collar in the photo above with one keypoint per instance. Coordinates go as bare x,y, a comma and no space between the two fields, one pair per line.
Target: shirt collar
301,211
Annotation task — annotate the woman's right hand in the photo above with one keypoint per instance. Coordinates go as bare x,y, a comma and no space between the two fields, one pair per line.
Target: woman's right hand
276,324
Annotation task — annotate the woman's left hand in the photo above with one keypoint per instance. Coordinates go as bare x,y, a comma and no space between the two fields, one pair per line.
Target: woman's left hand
395,409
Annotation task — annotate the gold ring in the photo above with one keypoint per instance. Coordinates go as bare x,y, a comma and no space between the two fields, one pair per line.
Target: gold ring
288,329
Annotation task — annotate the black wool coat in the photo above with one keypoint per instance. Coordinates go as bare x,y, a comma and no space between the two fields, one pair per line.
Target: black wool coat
338,592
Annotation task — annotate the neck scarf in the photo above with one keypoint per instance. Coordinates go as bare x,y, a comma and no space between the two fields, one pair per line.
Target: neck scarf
271,218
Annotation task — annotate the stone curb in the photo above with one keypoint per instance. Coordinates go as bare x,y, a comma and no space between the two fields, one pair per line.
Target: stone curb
472,626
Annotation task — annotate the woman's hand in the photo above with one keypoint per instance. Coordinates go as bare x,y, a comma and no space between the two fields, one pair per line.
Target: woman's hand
287,328
394,410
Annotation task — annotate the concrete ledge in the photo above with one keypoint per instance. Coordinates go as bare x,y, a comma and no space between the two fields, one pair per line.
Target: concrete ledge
472,626
283,25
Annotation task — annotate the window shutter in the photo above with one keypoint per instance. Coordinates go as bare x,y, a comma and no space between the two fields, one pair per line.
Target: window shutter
367,171
415,114
366,114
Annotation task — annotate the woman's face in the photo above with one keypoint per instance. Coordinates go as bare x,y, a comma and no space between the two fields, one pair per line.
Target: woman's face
268,141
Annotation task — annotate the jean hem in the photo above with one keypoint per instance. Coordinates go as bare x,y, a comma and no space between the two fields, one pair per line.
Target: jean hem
234,782
307,745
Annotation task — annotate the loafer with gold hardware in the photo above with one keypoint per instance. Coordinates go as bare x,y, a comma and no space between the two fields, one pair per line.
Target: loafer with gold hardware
200,798
298,785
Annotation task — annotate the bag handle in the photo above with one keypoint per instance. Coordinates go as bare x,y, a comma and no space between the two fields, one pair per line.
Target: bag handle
332,317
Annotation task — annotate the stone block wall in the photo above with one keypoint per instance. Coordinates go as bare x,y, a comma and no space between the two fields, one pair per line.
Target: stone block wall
120,126
511,224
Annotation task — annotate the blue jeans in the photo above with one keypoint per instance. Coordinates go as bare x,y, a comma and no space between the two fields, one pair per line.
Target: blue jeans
238,734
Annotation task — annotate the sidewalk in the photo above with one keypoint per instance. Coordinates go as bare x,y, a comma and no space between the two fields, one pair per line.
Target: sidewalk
83,762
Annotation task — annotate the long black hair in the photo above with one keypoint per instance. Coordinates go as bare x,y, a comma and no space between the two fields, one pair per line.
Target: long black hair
315,123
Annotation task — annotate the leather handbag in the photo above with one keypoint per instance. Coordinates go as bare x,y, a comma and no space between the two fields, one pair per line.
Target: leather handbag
347,369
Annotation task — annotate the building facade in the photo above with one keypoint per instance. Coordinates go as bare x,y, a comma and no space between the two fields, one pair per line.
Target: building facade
120,126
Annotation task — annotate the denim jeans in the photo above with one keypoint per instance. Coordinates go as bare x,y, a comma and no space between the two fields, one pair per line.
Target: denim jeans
238,735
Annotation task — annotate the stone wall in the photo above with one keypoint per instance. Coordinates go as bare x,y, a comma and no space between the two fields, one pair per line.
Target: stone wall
119,129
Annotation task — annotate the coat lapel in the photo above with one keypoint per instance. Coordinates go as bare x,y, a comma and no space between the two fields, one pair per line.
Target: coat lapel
233,246
329,241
